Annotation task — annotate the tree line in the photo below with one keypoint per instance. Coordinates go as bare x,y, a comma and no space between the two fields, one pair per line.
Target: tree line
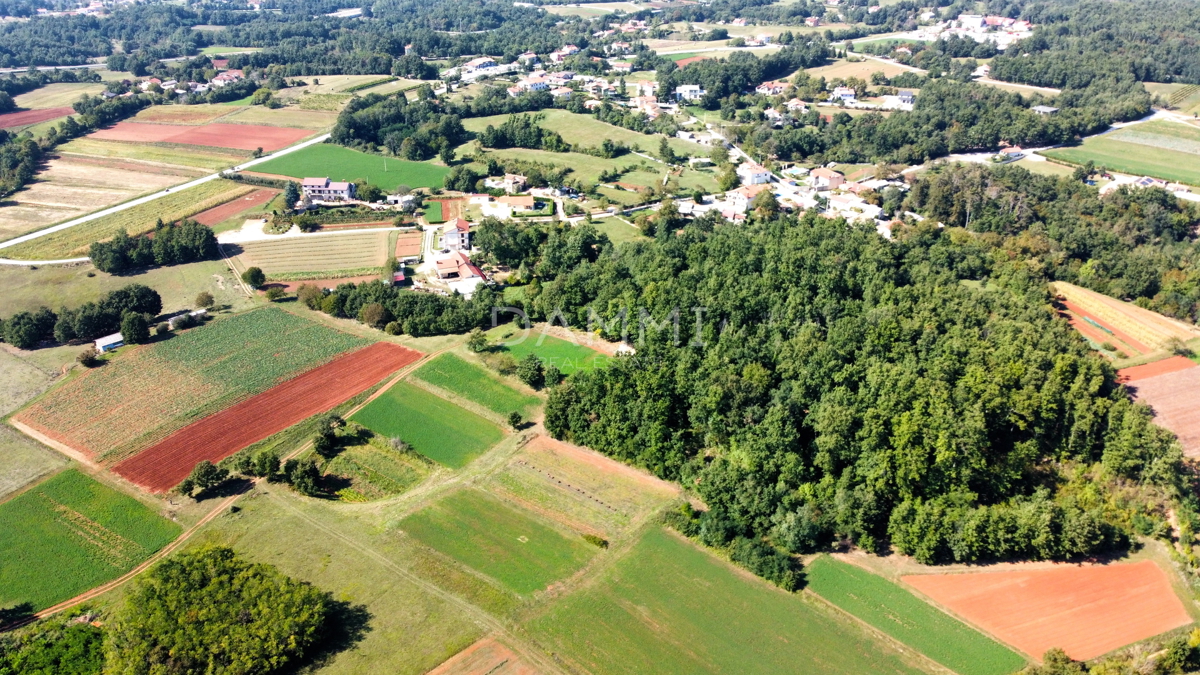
26,330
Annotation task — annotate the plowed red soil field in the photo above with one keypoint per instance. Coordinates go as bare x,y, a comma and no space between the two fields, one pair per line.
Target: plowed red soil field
408,244
229,209
23,118
1086,610
1147,370
162,466
1175,398
236,136
486,657
1077,316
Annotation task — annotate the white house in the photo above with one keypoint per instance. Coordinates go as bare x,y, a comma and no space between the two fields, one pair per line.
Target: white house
843,95
825,179
796,106
688,92
458,273
456,235
323,189
752,173
771,88
478,64
740,199
109,343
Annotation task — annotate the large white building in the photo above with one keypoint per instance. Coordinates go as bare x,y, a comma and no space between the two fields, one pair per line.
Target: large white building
323,189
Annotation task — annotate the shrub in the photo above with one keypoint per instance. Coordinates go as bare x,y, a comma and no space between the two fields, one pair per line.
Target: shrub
515,420
162,328
310,295
399,444
531,372
204,476
374,315
254,277
504,364
204,300
393,328
552,375
596,541
89,358
477,341
275,293
304,476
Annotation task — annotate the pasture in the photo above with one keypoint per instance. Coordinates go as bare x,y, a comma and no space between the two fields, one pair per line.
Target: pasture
314,120
842,69
1166,150
647,613
475,384
210,159
69,186
24,460
491,537
431,425
587,131
339,163
618,231
147,392
71,533
183,114
1087,610
1182,97
910,620
374,471
566,356
57,95
74,241
316,253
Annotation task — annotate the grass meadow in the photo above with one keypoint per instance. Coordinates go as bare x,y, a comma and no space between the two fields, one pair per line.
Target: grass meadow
211,159
74,241
433,213
475,384
619,232
375,471
587,131
432,425
566,356
912,621
491,537
1166,150
71,533
325,159
320,253
670,608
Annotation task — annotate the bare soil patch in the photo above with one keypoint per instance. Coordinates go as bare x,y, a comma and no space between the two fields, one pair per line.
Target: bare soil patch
23,118
408,244
1087,610
1147,370
1175,398
230,209
237,136
486,657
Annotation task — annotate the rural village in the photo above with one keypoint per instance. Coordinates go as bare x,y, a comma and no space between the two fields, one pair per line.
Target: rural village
539,338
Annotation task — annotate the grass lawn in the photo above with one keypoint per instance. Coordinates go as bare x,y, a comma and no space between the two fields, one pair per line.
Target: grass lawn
566,356
249,100
588,168
339,163
71,533
619,232
74,241
587,131
475,384
487,535
861,69
912,621
432,425
433,213
670,608
1166,150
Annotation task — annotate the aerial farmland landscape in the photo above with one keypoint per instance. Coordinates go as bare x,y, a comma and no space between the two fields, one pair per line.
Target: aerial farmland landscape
609,338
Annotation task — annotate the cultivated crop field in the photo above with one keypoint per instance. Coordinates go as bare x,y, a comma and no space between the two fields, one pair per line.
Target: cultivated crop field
213,438
648,614
213,135
843,69
57,95
209,159
1142,327
475,384
317,253
70,186
581,489
229,209
1087,610
314,120
150,391
1166,150
183,114
325,159
432,425
71,533
25,118
566,356
487,535
74,241
376,471
1172,395
910,620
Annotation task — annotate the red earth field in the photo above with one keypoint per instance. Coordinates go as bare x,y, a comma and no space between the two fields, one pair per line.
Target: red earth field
235,136
1146,370
1077,315
1087,610
26,117
1175,398
163,465
486,657
229,209
408,244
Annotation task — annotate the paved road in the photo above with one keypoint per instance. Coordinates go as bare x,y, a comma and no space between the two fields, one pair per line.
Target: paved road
136,202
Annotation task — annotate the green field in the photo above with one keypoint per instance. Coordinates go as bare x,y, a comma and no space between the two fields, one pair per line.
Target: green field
432,425
348,251
375,471
566,356
326,159
1166,150
221,49
910,620
74,241
587,168
433,213
69,534
618,232
195,373
209,158
487,535
475,384
669,608
587,131
57,95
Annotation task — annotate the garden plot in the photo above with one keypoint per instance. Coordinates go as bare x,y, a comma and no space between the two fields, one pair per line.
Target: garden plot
317,253
488,536
150,391
69,534
474,383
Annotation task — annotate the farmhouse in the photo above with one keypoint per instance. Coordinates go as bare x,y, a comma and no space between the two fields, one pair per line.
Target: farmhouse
753,174
109,343
689,92
227,77
325,189
812,21
456,235
478,64
907,97
771,88
518,203
843,95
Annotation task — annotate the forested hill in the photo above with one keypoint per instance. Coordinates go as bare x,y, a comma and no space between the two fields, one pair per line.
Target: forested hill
847,387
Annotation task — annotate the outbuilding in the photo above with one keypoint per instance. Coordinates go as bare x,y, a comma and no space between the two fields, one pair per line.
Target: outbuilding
109,342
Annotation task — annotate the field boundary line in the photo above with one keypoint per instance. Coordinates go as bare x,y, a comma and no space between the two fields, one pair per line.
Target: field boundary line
65,449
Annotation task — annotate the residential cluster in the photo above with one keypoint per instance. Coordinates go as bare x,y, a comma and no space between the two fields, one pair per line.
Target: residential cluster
1000,30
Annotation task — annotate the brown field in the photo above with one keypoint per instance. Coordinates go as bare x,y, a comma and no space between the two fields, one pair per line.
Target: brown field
1143,326
57,95
237,136
71,186
861,69
228,210
316,120
408,244
1078,318
486,657
184,114
1148,370
1175,398
1087,610
23,118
